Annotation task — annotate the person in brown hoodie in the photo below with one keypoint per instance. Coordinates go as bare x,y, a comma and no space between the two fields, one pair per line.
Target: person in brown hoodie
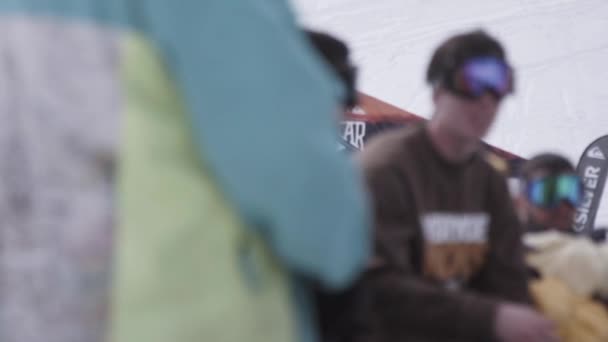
449,258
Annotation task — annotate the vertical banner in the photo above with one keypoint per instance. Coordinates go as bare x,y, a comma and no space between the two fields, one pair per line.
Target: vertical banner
593,169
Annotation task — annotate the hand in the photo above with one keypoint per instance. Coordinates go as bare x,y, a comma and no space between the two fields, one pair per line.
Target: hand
519,323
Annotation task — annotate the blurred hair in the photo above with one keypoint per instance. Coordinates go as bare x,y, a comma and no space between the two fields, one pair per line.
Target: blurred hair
550,163
453,52
336,54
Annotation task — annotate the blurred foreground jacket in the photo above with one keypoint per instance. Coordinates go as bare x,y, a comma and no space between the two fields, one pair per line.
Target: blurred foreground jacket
168,173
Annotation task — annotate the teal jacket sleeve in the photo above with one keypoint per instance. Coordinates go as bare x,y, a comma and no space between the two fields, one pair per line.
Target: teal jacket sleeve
264,115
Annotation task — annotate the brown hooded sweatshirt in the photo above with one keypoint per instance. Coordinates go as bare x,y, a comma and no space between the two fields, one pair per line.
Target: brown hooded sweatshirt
448,245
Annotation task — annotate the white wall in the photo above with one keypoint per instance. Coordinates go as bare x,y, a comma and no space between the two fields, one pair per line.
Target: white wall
558,47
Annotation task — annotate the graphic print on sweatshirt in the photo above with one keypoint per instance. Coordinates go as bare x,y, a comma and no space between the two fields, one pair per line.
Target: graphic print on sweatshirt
455,245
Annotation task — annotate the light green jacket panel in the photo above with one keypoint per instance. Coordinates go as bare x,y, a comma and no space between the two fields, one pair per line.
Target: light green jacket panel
187,270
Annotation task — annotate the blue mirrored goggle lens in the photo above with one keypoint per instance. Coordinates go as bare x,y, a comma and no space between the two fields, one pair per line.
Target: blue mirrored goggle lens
482,74
550,191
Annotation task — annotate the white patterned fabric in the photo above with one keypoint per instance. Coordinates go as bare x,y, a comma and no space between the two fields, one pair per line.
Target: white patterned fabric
59,106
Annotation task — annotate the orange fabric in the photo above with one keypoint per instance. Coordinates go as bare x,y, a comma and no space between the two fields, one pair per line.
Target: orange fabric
578,318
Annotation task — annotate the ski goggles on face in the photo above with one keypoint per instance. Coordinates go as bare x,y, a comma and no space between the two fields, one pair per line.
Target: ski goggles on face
481,74
549,192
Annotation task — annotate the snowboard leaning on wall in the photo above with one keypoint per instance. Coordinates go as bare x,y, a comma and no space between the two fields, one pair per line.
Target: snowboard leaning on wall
593,169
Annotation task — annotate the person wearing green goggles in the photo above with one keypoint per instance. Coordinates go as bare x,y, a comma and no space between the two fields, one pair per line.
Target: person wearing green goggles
557,259
551,191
